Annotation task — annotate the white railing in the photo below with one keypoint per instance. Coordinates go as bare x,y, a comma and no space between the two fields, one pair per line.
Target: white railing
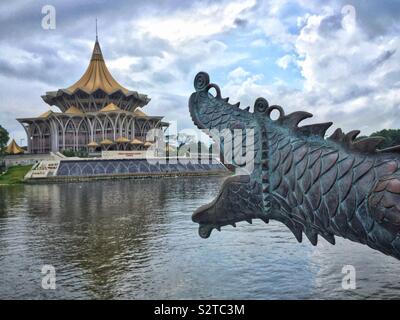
43,169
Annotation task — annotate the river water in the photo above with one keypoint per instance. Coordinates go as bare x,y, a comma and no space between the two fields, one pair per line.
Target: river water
134,239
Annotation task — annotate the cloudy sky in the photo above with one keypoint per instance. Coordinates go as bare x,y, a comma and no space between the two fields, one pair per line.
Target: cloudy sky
337,59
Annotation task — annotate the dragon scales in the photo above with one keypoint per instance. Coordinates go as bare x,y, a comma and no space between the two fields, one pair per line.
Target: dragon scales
336,186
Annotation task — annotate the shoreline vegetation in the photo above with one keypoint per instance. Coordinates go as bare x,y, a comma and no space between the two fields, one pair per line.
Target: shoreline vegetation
14,175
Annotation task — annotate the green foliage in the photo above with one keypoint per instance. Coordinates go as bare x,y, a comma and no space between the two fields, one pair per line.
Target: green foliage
14,175
68,153
392,137
4,137
72,153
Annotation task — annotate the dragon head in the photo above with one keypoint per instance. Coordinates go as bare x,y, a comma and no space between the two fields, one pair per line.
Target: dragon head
240,198
211,113
225,122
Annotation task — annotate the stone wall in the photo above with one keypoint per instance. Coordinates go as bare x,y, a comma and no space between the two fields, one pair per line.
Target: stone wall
25,159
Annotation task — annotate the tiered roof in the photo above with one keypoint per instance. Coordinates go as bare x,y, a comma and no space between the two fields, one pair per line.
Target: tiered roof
96,77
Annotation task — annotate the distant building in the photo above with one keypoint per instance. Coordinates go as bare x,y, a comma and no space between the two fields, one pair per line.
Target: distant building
97,113
14,148
15,155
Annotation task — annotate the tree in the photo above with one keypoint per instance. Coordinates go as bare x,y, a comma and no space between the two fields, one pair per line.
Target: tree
4,137
392,137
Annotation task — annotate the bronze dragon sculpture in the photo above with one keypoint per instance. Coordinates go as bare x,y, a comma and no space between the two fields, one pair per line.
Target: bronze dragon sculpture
335,186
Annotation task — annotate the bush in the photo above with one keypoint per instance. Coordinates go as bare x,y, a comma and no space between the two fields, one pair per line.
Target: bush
72,153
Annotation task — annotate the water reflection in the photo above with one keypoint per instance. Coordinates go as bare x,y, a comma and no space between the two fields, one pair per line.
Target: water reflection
134,239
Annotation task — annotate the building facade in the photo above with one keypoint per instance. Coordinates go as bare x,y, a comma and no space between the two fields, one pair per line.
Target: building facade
96,113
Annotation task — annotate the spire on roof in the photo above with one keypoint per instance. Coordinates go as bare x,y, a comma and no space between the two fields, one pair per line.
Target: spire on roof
97,54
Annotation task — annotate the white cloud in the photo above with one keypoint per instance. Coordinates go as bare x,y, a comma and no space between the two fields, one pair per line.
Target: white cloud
238,74
284,61
350,71
200,21
349,77
258,43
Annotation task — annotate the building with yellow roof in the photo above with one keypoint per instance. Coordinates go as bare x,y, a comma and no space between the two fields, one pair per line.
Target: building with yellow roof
14,148
94,110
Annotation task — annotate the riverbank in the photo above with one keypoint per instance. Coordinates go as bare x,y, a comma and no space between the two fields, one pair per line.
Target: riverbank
14,175
140,176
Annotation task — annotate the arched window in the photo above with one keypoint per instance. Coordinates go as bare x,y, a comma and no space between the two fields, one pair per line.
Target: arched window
36,139
122,132
70,136
60,134
46,146
138,129
83,135
109,129
97,131
146,128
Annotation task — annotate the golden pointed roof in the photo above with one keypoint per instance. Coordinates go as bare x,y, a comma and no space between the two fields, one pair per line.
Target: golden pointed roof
139,112
136,141
46,114
106,142
93,144
110,107
97,76
122,140
14,148
73,110
147,144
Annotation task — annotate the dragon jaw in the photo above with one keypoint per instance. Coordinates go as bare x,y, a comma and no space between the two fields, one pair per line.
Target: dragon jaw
228,208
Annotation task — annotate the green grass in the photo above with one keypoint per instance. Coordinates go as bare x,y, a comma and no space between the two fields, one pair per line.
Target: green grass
14,175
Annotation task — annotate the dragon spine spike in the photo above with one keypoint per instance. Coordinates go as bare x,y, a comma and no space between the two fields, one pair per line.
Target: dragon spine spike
318,129
368,145
337,135
312,236
297,230
329,237
292,120
351,136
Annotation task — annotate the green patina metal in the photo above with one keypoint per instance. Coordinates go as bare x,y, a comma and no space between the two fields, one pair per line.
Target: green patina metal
336,186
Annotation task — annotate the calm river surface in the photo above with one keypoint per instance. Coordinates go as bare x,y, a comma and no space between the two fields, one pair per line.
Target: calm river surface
133,239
